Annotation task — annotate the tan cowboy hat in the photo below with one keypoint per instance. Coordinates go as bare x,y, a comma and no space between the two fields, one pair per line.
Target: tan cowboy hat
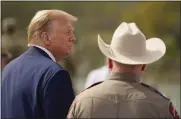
129,46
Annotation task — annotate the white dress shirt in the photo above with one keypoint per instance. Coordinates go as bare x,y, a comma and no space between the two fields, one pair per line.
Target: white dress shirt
44,49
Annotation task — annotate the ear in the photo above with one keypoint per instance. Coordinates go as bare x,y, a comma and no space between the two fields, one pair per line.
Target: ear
110,64
143,67
45,38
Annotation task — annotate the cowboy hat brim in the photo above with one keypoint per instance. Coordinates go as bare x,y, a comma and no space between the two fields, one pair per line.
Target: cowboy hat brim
155,49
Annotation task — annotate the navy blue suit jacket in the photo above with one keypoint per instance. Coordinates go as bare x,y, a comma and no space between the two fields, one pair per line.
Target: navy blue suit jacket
34,86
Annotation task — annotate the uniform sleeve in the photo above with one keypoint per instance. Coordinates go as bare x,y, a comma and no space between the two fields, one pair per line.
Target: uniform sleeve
58,96
71,113
81,108
173,114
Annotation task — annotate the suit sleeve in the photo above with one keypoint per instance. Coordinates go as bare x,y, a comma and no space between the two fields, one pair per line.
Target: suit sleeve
58,95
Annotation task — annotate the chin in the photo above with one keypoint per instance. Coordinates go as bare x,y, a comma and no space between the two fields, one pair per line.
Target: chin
67,54
70,53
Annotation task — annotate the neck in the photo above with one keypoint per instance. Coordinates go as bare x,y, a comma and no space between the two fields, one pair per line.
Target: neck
47,50
124,70
57,57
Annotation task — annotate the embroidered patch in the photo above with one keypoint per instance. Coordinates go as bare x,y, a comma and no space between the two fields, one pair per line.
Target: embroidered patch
136,96
173,112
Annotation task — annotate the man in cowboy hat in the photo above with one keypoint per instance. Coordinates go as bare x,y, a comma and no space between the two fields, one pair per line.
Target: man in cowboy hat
122,95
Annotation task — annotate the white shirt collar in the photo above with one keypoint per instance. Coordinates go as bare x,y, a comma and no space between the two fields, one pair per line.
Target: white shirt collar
44,49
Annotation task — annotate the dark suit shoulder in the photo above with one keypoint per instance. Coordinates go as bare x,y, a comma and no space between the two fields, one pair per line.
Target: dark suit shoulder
50,65
24,81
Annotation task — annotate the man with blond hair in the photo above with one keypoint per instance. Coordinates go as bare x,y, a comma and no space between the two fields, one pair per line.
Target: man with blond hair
122,95
34,85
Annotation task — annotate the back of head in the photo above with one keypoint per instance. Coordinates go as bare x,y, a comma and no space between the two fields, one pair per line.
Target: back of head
42,20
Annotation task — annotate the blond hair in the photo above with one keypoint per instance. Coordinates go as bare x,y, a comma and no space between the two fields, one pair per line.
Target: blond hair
42,20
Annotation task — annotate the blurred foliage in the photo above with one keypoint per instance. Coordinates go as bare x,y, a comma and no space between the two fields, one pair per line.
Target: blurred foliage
155,19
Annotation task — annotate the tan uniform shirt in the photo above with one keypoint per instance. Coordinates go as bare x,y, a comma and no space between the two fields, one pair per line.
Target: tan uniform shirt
121,96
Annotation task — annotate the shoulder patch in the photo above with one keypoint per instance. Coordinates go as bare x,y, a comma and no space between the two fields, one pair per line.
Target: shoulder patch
173,111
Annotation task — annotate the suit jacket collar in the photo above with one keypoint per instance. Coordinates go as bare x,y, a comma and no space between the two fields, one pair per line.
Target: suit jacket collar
126,77
44,49
37,51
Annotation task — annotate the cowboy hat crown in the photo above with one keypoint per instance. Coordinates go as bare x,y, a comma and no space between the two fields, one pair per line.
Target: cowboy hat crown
129,46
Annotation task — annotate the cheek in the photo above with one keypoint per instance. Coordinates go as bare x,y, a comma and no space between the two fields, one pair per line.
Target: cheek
57,39
60,43
64,41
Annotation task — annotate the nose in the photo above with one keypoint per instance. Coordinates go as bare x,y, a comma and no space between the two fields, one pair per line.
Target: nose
73,37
